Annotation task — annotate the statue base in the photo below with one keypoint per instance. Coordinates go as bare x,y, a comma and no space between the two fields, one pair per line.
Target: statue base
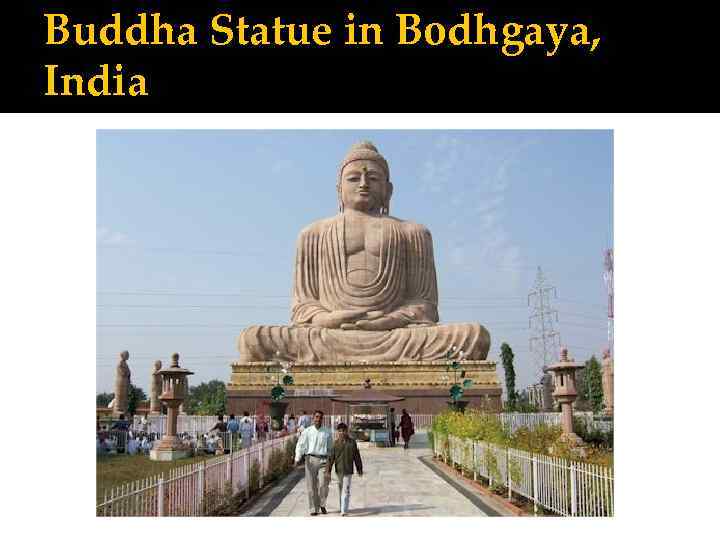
425,385
575,443
168,455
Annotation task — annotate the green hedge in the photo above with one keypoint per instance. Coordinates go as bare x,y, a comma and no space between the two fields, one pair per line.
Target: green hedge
541,439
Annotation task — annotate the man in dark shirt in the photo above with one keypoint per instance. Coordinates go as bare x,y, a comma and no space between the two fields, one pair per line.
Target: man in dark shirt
220,425
120,424
344,456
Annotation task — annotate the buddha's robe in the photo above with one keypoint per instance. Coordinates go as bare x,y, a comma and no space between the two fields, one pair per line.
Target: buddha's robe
405,286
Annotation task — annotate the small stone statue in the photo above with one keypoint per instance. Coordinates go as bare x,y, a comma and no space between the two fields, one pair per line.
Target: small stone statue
156,389
122,385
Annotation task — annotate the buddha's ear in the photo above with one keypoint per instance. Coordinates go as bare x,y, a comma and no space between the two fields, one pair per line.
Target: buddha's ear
388,196
341,206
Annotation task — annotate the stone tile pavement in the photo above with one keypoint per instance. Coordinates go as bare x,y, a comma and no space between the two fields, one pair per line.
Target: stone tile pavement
395,483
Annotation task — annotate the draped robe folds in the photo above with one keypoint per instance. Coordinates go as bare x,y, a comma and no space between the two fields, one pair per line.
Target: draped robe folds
404,286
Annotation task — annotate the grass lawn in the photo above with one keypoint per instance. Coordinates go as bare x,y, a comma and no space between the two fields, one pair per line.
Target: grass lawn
113,470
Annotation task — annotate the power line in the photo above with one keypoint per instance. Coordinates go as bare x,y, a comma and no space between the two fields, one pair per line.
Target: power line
246,306
178,293
256,293
131,247
188,306
147,325
236,326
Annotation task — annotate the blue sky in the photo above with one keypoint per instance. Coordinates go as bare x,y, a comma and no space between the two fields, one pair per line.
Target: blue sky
196,233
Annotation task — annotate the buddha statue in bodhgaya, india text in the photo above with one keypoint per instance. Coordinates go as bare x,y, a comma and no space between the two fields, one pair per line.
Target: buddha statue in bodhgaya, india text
365,287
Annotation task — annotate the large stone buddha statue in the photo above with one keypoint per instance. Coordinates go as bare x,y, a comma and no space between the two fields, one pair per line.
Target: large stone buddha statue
364,289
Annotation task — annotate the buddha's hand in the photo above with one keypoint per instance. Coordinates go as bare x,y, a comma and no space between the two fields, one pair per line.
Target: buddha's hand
368,316
382,323
336,319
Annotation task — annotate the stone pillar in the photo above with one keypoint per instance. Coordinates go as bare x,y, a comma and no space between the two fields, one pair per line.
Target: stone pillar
565,393
607,381
122,385
172,416
155,389
173,393
566,410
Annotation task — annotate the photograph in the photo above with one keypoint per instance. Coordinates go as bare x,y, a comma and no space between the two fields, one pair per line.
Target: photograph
355,323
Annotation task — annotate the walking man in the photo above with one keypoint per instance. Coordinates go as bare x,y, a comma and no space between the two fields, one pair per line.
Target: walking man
233,427
393,427
246,430
407,429
344,455
315,444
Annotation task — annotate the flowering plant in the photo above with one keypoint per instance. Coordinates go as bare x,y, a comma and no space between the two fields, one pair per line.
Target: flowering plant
283,377
454,357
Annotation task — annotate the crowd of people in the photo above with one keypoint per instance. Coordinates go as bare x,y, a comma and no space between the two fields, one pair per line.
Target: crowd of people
241,433
120,438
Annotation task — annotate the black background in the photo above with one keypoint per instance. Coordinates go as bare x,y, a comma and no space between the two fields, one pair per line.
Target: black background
644,62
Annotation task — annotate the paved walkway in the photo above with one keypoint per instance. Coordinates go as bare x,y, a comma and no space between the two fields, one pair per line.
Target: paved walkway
396,483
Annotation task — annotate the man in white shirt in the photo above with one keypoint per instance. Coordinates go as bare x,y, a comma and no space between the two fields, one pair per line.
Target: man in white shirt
133,445
315,444
246,429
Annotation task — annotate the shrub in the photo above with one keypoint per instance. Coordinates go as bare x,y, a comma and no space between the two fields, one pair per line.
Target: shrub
595,437
254,477
289,455
540,439
276,465
215,498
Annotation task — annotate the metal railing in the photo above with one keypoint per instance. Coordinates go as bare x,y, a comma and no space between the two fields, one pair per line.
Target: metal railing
195,489
565,487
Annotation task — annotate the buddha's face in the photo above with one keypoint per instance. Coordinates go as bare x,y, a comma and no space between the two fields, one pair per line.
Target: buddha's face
364,186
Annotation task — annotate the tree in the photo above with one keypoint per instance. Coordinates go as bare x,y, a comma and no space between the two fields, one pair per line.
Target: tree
592,391
102,399
206,398
507,356
136,395
523,404
581,403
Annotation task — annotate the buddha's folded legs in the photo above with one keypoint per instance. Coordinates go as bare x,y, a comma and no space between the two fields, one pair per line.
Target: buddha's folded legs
313,345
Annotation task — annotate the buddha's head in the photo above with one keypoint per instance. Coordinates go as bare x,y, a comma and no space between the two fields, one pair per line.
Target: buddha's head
124,356
364,180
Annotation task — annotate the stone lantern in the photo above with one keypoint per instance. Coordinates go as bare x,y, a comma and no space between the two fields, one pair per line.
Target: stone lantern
174,390
565,394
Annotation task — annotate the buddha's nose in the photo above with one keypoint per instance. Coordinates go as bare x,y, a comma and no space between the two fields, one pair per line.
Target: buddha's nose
363,180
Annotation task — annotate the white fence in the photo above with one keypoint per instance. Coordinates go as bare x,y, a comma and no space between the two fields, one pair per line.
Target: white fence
186,423
512,421
565,487
202,424
192,490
